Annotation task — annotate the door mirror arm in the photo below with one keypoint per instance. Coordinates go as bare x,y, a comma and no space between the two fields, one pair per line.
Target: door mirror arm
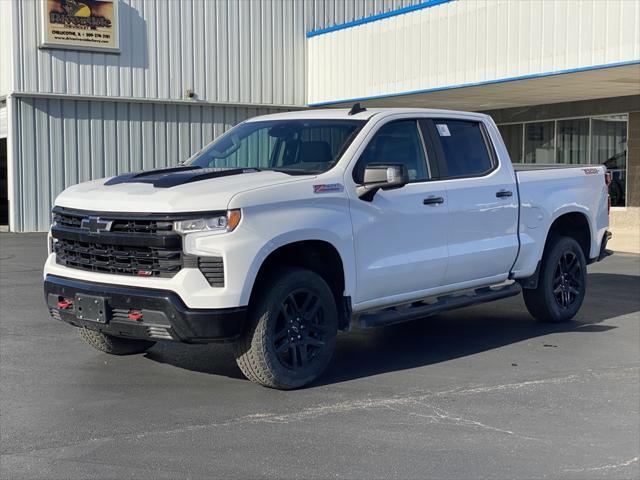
381,177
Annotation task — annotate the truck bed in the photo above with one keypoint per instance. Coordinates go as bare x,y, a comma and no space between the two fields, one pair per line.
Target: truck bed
546,191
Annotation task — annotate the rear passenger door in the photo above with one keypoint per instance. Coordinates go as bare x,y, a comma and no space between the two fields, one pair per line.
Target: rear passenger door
482,229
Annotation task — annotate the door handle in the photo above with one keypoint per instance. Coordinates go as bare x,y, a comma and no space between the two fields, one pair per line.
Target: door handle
432,200
504,193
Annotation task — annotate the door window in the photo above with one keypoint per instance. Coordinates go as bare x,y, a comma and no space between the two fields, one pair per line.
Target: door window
397,142
464,148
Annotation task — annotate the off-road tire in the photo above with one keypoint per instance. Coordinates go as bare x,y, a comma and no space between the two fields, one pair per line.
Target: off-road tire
260,356
114,345
542,302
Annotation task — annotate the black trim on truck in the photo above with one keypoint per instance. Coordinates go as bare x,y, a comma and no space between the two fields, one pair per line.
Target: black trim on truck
171,240
140,313
604,251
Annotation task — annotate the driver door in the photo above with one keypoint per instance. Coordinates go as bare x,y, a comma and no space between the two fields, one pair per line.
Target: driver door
400,235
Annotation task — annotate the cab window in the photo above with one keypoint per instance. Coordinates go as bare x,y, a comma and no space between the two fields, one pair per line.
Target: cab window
398,142
464,148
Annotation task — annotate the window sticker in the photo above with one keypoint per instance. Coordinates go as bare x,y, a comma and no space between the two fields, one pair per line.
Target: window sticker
443,129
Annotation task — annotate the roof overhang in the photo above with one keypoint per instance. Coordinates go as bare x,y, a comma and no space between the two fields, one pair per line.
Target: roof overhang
478,55
603,82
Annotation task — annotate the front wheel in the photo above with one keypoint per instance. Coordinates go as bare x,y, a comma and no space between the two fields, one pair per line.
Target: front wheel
292,330
562,283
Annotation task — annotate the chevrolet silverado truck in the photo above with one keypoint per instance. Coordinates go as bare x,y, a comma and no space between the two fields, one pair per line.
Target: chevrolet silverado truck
293,226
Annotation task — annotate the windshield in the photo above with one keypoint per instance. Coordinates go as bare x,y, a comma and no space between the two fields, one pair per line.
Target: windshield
291,146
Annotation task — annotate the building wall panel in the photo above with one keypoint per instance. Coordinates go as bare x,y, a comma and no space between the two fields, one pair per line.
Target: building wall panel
63,142
249,51
462,42
6,12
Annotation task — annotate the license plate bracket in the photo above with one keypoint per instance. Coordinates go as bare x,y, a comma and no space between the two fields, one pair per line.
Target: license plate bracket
92,308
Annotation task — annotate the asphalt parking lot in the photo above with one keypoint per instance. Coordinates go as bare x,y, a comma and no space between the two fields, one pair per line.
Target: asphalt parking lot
484,392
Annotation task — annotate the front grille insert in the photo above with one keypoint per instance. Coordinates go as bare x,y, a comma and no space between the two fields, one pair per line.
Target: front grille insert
213,270
139,245
118,259
68,219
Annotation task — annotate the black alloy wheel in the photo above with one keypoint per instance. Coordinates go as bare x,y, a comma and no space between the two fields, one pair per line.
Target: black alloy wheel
567,280
291,331
299,329
562,281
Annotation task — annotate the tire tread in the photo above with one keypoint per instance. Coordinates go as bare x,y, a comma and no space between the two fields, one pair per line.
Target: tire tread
114,345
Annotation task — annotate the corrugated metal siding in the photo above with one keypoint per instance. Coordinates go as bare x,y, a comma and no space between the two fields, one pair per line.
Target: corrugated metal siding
469,41
64,142
3,119
237,51
241,51
5,46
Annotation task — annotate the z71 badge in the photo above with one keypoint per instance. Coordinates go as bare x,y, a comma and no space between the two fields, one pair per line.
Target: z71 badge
328,188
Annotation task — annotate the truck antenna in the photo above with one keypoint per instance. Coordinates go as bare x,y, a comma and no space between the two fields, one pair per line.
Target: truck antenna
357,108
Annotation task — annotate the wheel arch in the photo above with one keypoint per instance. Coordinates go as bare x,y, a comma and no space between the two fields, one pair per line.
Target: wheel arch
574,224
319,255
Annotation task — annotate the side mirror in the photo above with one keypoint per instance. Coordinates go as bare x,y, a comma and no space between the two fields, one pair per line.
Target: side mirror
385,177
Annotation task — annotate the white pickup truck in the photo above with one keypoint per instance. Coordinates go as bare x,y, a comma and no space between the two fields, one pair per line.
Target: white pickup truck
290,227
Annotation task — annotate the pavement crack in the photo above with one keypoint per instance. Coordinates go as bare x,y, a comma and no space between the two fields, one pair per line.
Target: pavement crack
589,374
442,416
613,466
437,415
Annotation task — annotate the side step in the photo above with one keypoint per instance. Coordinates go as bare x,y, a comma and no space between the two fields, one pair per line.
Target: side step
416,310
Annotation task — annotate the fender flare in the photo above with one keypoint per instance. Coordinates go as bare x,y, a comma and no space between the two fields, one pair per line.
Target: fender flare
341,246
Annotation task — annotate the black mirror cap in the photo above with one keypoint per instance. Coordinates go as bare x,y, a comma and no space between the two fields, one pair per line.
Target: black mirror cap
385,177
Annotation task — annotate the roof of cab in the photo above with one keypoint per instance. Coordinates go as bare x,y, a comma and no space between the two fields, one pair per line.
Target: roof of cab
343,113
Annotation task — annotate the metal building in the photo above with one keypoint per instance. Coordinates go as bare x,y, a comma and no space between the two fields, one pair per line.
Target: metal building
183,72
560,77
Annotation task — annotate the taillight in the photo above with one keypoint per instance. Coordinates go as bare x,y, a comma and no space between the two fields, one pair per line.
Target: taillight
607,181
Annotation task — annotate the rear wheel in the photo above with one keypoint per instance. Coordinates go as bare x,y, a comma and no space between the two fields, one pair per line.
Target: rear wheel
114,345
562,283
292,331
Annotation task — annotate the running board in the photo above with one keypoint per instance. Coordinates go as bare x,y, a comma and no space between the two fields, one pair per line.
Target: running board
444,303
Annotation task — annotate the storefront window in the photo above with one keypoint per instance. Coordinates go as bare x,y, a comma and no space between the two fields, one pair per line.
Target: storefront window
609,148
572,141
512,136
539,142
596,140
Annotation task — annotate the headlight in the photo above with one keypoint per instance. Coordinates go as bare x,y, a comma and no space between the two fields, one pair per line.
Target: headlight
219,224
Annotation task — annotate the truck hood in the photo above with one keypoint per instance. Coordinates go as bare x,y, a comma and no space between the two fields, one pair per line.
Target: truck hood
171,190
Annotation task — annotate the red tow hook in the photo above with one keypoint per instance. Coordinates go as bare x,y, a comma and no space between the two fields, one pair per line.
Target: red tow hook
135,315
65,304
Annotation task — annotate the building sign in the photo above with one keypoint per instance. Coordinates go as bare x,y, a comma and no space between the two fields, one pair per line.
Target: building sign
80,24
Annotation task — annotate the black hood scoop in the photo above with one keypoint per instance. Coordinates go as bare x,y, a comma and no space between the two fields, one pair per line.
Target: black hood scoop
174,176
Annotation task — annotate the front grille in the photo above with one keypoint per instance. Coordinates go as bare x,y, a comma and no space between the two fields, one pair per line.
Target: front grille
118,259
149,225
213,270
139,245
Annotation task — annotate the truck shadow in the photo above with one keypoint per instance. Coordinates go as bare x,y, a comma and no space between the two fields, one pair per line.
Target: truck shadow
457,334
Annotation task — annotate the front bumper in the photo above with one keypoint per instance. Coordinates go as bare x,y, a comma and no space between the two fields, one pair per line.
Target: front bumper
163,314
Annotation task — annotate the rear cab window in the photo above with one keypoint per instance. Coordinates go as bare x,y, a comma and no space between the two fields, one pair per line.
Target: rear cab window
463,148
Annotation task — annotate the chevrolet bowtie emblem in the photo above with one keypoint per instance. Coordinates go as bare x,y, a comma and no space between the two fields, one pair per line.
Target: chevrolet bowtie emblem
96,224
